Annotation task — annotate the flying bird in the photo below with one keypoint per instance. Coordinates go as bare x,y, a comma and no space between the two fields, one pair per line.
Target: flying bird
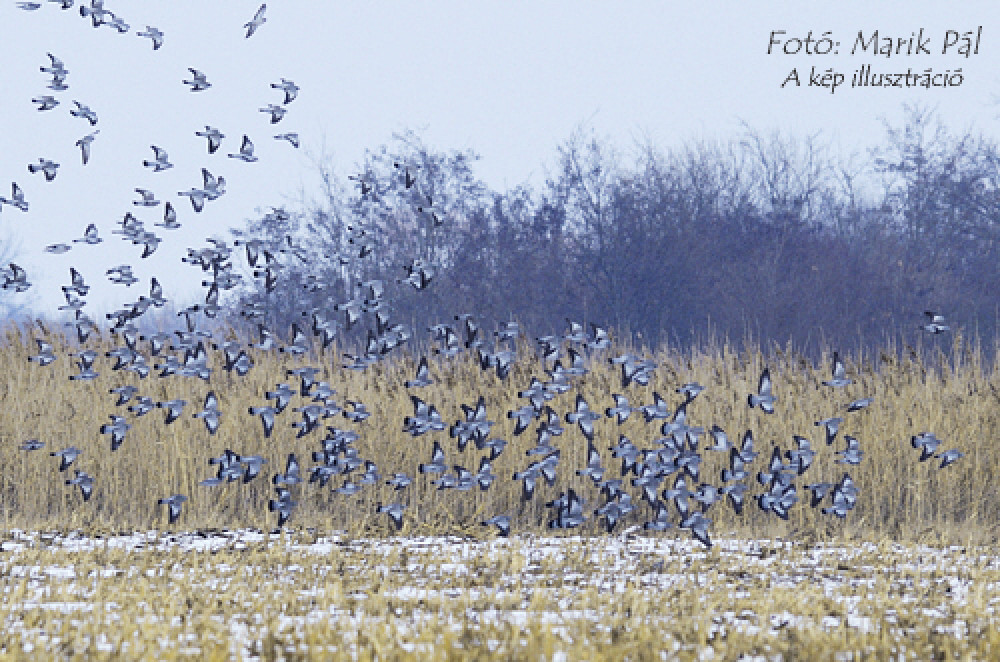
763,398
84,145
839,375
173,504
84,112
45,166
214,137
935,323
16,198
292,138
246,151
160,162
155,35
277,112
46,102
198,80
258,20
290,89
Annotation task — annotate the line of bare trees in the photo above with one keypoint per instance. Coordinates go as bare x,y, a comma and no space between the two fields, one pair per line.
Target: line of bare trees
765,236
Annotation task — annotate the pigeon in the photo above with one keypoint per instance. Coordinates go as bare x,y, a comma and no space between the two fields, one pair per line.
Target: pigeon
173,504
148,198
277,112
819,492
16,198
56,68
153,34
85,364
214,137
84,112
395,513
174,409
859,404
935,323
198,81
661,518
31,445
290,89
46,167
348,488
258,20
422,377
266,418
84,145
124,393
949,457
117,429
722,443
15,278
210,413
292,475
292,138
66,456
246,151
283,505
84,481
584,417
437,463
90,236
657,410
252,465
594,470
501,522
800,458
46,102
230,469
143,405
927,443
852,454
46,353
621,411
839,378
169,217
160,162
690,390
359,412
763,398
399,481
830,425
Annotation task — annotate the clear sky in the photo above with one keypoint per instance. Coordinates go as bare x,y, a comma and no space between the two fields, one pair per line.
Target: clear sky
511,80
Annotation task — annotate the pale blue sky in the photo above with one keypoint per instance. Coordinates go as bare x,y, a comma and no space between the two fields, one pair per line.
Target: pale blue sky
511,80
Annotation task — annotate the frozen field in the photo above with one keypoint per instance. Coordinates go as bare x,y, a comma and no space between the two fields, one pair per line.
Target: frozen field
246,595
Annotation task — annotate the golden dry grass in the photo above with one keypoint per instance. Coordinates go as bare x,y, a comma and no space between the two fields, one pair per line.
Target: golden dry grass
900,498
334,586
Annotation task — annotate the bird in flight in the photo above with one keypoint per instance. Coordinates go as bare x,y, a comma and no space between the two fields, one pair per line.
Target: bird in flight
198,81
258,20
154,35
84,145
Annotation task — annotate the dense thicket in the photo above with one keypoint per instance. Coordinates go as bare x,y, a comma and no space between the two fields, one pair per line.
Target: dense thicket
765,237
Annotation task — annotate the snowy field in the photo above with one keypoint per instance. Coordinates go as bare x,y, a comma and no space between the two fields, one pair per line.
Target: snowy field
250,595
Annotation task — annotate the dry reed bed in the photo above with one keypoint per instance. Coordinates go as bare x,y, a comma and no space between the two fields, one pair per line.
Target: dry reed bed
247,595
900,498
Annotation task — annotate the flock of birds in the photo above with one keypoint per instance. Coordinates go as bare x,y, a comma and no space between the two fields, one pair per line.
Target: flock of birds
665,472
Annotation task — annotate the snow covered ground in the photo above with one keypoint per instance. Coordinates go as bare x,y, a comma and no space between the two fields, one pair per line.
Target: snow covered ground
248,594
